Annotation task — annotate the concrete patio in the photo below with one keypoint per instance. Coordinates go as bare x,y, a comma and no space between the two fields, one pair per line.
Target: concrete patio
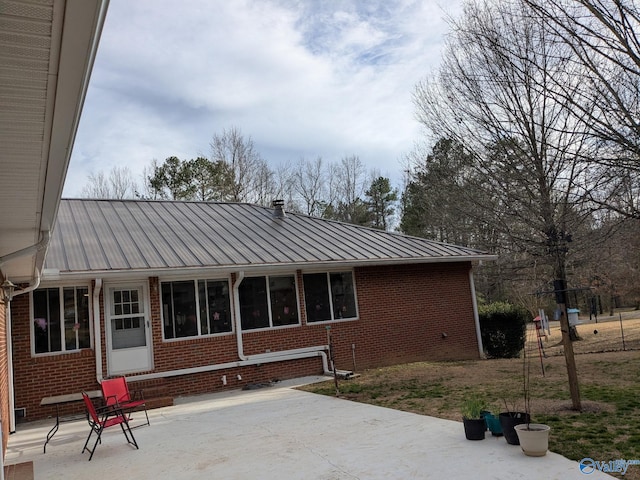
281,433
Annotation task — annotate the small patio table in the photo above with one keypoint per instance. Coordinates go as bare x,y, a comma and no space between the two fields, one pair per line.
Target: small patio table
59,400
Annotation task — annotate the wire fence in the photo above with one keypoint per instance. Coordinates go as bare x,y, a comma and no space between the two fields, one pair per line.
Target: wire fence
620,332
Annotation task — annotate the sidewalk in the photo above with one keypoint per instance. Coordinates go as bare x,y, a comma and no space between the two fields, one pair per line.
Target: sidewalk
282,433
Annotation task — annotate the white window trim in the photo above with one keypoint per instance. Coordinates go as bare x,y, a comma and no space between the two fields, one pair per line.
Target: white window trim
60,287
195,280
328,276
298,305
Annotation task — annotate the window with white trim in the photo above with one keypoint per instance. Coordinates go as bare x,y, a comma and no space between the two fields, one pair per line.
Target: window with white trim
60,319
270,301
195,307
329,296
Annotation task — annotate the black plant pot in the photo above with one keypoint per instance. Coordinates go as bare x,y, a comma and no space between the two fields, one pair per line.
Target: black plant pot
474,428
508,420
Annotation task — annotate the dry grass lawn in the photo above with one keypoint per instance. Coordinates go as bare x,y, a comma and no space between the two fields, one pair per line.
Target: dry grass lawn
607,429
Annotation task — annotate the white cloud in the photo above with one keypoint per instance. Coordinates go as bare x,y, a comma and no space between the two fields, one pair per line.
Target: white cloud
303,78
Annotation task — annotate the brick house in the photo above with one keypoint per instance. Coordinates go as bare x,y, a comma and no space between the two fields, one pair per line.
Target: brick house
191,297
46,55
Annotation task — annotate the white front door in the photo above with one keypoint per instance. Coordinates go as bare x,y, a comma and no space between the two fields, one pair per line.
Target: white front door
127,325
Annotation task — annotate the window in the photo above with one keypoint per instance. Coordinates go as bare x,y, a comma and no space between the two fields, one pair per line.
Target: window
195,307
215,314
329,296
127,318
61,319
268,302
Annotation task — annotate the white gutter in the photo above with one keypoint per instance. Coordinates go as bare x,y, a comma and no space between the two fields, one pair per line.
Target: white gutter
97,334
476,318
42,244
275,267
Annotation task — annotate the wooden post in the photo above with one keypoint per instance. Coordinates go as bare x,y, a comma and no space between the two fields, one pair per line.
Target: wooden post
569,357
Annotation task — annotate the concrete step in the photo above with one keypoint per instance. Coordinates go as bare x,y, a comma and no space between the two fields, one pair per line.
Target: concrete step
154,392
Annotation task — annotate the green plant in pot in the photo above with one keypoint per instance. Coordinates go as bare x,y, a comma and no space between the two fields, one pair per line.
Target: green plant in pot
472,419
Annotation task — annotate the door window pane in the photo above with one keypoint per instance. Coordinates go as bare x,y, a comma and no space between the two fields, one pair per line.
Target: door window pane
127,331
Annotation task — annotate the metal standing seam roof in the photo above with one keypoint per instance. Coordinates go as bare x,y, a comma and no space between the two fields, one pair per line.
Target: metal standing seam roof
123,235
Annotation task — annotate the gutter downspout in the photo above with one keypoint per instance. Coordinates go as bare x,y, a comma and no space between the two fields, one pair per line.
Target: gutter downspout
245,360
476,318
240,363
35,283
12,402
236,307
42,244
97,334
40,249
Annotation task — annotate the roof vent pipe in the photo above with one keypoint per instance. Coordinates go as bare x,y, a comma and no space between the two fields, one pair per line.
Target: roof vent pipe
278,209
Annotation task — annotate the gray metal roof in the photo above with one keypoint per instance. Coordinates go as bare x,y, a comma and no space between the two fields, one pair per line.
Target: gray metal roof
123,235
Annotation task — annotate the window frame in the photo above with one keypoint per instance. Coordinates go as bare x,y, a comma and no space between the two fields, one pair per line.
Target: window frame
271,325
63,344
328,274
195,281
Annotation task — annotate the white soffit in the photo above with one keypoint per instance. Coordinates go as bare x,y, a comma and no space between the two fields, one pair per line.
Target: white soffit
47,49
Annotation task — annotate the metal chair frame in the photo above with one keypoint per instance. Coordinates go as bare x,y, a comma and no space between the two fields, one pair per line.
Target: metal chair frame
116,393
100,419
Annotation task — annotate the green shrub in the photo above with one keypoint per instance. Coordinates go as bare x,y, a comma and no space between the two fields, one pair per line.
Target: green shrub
503,328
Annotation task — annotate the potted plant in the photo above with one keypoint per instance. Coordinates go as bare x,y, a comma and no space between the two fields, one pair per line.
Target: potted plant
533,437
474,424
493,424
508,421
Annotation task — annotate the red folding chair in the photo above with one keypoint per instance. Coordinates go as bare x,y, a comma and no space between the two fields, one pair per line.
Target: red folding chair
106,417
116,393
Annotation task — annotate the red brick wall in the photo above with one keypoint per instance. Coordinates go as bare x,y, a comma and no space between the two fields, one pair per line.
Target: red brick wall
403,312
41,376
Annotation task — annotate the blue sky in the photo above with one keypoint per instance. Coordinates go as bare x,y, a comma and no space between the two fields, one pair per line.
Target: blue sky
302,78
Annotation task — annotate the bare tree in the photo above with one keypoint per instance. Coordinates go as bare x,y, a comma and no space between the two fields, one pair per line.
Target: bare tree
602,38
348,184
309,183
284,187
118,184
495,95
250,170
146,191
